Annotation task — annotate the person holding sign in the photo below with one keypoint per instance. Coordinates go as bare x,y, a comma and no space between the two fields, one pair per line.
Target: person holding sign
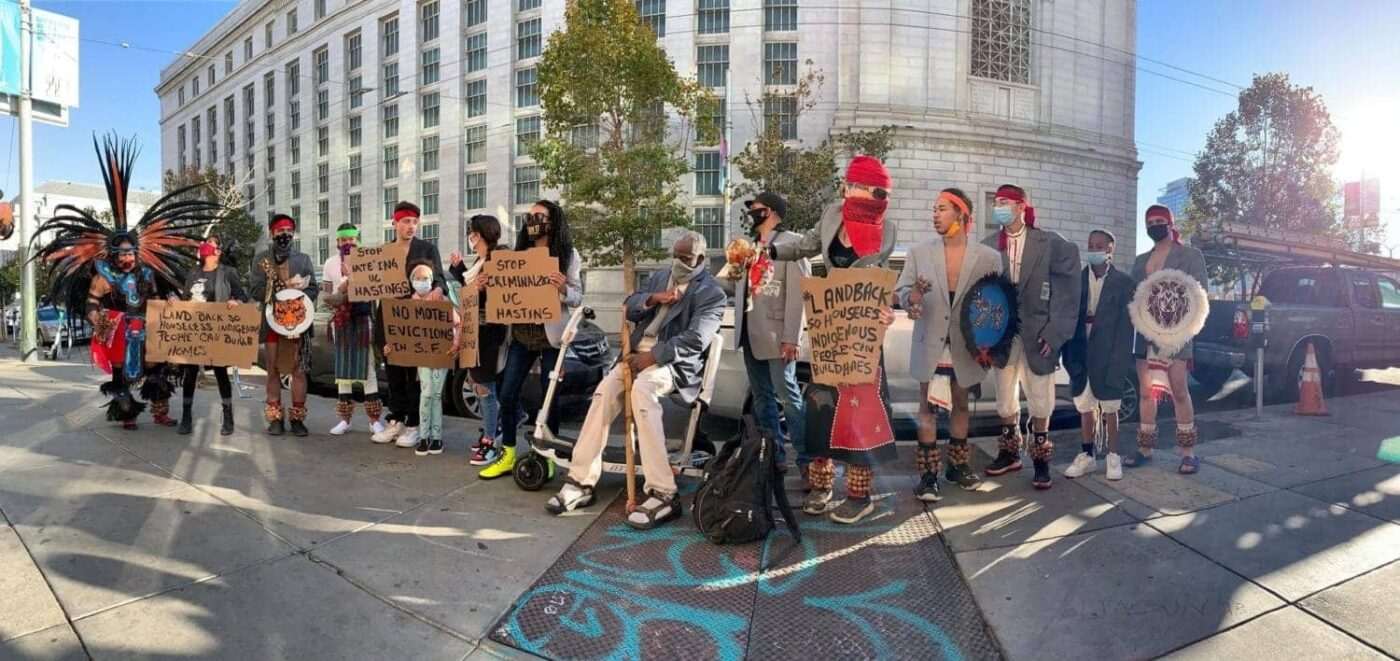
278,273
545,227
483,234
674,316
1045,269
431,379
210,283
850,424
768,321
402,429
352,334
936,277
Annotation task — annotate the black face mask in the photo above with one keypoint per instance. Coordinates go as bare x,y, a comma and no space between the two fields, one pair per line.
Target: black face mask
282,245
1158,232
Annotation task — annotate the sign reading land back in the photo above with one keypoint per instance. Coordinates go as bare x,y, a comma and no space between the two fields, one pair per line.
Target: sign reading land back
378,272
419,333
518,289
202,333
843,323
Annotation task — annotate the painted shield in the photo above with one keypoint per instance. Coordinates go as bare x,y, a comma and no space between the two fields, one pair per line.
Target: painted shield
989,319
290,313
1169,308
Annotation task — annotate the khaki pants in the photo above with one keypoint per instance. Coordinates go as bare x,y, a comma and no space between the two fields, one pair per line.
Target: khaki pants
648,389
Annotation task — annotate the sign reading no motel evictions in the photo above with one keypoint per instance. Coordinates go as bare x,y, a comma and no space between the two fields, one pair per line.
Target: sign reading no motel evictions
377,273
518,289
202,333
843,323
419,333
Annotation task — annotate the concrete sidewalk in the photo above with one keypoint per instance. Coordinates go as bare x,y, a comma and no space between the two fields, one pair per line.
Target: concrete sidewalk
1283,546
147,544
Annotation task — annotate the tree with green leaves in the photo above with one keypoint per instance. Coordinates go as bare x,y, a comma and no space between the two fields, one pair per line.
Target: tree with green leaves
237,230
808,177
1268,163
605,86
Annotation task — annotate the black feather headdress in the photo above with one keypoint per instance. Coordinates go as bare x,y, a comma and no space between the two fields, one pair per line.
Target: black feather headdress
74,240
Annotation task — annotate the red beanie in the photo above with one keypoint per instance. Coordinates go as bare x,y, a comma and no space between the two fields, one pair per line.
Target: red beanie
869,171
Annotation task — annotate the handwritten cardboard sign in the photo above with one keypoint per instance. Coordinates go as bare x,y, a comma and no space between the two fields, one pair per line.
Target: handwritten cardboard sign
471,342
419,333
202,333
518,289
843,323
377,273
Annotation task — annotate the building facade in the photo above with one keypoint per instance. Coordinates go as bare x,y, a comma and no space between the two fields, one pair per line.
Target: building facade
332,110
50,194
1175,196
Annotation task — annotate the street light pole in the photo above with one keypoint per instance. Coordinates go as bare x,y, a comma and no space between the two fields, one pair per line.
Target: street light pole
28,343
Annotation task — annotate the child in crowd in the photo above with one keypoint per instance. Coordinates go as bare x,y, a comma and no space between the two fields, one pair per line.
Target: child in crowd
431,379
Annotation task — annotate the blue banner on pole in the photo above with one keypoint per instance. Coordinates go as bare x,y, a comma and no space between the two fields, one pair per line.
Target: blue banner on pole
9,48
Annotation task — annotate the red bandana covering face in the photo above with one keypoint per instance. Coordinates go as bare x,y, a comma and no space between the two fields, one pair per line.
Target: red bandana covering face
864,218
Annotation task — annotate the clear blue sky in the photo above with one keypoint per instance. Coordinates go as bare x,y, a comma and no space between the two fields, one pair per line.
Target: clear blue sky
1347,50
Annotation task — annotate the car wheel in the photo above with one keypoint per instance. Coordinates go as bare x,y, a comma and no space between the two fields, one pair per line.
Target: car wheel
1128,410
1211,379
464,398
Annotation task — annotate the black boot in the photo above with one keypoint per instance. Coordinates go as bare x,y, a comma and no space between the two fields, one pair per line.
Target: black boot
299,429
227,428
186,418
276,428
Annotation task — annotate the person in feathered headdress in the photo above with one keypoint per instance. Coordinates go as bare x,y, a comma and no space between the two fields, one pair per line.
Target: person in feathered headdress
111,271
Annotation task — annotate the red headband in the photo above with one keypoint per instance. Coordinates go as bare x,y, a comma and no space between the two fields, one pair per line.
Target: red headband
282,223
1016,195
404,213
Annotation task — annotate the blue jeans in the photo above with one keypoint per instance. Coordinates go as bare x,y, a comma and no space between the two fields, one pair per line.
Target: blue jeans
519,360
490,409
773,383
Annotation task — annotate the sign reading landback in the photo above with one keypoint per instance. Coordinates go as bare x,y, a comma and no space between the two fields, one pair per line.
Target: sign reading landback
212,334
843,323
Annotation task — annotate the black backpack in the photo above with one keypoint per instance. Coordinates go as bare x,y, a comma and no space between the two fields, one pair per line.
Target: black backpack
732,505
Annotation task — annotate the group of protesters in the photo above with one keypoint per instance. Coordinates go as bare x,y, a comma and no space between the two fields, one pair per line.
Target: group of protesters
1066,313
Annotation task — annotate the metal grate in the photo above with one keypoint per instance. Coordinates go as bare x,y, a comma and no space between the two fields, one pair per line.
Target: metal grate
1001,40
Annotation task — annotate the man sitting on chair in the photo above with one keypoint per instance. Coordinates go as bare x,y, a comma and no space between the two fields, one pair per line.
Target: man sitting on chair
674,317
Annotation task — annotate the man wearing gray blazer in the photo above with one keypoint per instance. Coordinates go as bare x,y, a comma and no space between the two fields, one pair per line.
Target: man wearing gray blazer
768,324
1045,269
1100,356
936,277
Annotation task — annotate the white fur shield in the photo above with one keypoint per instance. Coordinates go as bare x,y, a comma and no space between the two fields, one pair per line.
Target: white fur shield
1169,308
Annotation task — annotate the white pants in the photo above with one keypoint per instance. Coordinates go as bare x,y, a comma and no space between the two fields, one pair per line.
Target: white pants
648,389
1088,402
1040,389
370,384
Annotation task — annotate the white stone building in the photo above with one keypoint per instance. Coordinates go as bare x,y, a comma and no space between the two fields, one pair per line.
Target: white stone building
50,194
333,109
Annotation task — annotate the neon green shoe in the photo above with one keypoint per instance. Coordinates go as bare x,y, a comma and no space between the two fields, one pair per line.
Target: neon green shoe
503,466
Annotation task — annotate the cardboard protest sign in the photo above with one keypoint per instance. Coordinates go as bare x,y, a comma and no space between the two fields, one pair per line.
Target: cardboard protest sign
471,352
377,273
518,289
843,323
419,333
202,333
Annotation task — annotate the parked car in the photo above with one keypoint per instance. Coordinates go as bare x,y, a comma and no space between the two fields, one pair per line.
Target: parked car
1349,315
732,398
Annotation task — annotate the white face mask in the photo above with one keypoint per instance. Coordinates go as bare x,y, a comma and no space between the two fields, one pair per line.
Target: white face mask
422,286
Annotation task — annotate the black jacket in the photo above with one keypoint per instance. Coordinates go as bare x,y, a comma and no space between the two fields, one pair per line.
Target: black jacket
1104,358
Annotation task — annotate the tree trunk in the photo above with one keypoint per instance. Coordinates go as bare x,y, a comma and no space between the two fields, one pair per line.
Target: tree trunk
629,271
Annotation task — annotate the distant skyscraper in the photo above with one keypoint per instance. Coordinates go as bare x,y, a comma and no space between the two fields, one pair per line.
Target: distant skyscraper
1175,195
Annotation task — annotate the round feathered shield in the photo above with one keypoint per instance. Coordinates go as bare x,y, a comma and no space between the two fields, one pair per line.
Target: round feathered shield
989,319
1169,308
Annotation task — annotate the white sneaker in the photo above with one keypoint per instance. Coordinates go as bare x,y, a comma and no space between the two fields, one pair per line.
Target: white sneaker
340,428
408,438
1083,464
387,434
1115,466
376,427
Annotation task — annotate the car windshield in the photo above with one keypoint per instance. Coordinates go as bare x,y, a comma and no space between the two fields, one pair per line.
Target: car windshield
49,314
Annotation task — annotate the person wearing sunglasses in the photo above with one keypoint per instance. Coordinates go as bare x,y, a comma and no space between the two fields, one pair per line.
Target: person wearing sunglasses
768,318
1045,269
545,227
852,233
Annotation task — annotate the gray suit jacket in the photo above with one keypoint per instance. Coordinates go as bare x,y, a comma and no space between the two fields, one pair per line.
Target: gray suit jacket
816,241
1103,358
777,315
1182,258
940,322
687,330
1049,294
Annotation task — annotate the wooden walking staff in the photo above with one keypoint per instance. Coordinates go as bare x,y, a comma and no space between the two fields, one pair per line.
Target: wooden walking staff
630,460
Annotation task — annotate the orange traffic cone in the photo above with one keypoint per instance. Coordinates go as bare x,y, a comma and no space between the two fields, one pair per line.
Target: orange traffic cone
1310,390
